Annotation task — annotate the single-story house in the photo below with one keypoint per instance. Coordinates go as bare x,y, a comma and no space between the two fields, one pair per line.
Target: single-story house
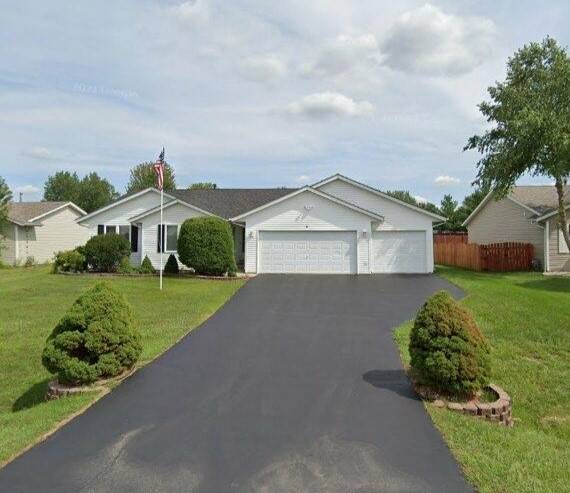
337,225
527,214
37,230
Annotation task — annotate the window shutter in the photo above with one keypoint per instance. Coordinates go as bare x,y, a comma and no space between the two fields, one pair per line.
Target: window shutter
158,239
134,238
100,229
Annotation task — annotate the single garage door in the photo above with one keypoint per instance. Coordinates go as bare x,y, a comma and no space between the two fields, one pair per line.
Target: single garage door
399,251
311,252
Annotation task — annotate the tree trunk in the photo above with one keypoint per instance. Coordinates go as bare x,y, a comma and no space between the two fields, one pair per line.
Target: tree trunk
562,220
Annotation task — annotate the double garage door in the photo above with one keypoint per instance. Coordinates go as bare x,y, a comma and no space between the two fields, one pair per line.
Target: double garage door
319,252
334,252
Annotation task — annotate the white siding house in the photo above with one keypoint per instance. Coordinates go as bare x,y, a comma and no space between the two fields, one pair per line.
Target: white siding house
335,226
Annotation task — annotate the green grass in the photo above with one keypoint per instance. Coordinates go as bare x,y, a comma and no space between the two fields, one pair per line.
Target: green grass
31,303
526,317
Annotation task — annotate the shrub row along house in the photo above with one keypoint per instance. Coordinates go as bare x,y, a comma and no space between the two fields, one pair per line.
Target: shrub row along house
337,225
527,214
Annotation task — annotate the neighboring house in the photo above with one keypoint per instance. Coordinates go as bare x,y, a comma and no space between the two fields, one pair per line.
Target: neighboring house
527,214
337,225
37,230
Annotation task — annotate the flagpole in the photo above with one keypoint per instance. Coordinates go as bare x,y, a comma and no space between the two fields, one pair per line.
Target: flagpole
161,233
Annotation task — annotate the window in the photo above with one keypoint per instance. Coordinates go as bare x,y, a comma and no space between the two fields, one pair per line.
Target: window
125,231
171,237
110,229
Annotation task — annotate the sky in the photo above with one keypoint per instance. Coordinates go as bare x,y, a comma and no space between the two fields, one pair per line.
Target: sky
248,93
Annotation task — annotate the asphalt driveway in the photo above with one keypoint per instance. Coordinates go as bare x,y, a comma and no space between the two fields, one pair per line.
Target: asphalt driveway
295,385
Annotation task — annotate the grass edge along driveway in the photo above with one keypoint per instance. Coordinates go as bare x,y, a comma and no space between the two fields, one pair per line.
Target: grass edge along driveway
526,317
31,303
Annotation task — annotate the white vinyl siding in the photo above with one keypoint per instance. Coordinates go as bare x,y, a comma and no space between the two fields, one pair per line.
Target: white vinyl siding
503,221
174,215
397,217
121,214
562,246
307,212
8,244
399,252
321,252
59,231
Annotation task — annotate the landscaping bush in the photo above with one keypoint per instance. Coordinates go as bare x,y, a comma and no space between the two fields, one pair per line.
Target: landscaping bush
146,266
125,266
206,245
171,266
448,351
94,339
69,261
104,252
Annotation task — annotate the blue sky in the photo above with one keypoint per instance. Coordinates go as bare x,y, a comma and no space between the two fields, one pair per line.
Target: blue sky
249,93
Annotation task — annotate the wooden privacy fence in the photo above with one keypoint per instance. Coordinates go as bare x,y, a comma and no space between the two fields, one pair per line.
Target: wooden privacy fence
450,237
498,257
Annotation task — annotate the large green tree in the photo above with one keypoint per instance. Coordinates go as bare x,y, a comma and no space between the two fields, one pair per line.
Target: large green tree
143,176
448,208
90,193
529,115
95,192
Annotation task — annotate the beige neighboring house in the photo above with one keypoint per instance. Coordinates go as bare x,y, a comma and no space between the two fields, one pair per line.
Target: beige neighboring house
37,230
527,214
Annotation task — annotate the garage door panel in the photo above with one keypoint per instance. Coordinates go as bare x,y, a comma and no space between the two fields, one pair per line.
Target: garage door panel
399,251
308,252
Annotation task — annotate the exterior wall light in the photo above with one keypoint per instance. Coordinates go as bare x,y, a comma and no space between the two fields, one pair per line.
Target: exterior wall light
364,233
250,235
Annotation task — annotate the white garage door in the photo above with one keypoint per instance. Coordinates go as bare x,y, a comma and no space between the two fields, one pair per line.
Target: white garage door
399,251
318,252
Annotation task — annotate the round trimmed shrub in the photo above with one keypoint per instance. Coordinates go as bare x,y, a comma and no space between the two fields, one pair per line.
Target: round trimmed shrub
448,351
105,252
206,245
69,261
95,339
171,266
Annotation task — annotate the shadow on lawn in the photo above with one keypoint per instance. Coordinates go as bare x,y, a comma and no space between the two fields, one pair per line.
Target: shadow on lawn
393,380
35,395
556,284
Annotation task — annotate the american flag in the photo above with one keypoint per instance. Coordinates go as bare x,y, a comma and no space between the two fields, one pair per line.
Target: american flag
159,170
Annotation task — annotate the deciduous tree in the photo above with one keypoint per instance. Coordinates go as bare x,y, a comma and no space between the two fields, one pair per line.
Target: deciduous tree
530,117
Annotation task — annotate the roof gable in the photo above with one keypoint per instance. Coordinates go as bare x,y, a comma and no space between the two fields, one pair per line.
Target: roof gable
375,191
31,213
325,195
169,204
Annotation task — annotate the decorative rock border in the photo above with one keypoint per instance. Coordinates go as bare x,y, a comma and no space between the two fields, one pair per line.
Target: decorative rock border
499,411
56,390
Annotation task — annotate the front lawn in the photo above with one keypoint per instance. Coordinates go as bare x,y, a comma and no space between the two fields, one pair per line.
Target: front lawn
526,317
31,303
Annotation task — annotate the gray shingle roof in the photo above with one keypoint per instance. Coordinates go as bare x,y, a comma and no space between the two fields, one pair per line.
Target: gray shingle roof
23,212
230,202
542,199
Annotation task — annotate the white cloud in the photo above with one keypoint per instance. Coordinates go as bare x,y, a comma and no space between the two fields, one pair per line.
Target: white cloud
27,189
191,11
342,55
41,153
446,180
304,179
263,68
420,199
327,104
431,42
